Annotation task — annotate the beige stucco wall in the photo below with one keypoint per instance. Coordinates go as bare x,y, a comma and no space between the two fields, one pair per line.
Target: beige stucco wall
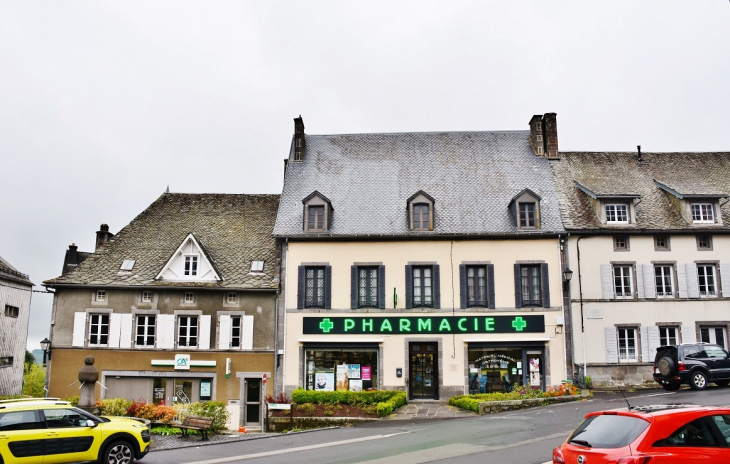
395,256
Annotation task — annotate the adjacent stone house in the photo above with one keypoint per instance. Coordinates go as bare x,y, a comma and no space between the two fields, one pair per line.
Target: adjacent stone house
15,293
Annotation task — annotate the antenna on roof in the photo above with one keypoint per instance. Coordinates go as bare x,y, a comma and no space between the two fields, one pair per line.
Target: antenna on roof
638,147
627,401
167,190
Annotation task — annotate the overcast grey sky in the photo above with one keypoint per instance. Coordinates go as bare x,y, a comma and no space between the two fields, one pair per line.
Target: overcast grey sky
105,104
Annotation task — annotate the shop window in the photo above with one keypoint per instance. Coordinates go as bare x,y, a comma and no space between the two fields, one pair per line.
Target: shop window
341,368
99,329
423,286
532,285
502,369
367,286
314,285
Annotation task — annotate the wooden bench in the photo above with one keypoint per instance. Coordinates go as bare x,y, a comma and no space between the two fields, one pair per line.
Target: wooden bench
200,423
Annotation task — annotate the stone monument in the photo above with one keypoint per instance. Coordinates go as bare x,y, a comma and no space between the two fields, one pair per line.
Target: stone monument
88,375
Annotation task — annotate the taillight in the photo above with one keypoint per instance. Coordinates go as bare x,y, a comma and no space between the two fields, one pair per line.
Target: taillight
558,456
631,460
682,366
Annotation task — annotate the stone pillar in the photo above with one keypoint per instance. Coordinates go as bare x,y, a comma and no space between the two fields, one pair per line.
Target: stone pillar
88,375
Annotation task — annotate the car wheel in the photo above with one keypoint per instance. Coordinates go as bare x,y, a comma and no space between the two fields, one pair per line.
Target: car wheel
670,387
722,383
665,366
118,452
698,380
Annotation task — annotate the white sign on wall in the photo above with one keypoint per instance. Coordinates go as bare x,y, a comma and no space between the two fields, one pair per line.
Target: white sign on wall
182,361
594,313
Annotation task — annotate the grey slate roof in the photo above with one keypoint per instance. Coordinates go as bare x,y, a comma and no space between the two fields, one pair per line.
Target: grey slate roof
8,272
621,173
233,229
368,178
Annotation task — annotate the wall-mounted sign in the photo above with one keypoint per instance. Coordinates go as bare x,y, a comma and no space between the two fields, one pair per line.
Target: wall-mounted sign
205,390
424,325
182,361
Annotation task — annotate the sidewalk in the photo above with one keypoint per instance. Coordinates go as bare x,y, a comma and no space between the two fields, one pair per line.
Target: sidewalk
418,410
165,442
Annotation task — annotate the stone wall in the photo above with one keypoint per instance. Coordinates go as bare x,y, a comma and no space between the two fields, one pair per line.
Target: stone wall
604,375
490,407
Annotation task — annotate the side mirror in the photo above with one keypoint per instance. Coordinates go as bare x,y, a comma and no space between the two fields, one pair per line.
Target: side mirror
90,423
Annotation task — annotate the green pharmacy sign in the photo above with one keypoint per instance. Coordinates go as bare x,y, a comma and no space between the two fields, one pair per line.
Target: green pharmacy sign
423,325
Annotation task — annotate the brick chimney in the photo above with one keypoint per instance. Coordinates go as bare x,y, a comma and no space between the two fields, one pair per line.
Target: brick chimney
102,236
544,135
299,139
72,255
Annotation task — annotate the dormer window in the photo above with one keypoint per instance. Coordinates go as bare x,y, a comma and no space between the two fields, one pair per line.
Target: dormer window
527,215
189,262
617,213
525,210
191,266
702,213
317,213
420,212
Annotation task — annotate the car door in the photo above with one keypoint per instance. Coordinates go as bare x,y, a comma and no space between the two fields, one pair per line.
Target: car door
21,437
699,441
70,436
718,359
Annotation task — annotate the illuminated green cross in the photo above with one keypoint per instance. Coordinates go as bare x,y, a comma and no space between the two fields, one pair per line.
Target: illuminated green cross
326,325
519,323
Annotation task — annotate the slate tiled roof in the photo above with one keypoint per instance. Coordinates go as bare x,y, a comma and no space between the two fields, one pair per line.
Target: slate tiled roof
622,173
8,272
368,178
234,229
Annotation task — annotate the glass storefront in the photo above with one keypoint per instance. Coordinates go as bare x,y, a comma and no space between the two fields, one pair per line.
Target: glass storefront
334,368
502,369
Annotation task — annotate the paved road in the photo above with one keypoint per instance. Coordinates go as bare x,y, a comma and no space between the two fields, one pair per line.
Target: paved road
521,437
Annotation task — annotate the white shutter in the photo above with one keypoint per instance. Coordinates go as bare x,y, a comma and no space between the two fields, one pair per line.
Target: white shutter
649,284
611,345
204,333
644,343
725,279
125,334
79,329
639,281
247,332
693,287
606,282
115,325
166,331
688,334
224,332
653,341
682,280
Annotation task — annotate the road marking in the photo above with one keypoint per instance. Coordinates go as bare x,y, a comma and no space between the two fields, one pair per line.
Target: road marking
295,450
655,394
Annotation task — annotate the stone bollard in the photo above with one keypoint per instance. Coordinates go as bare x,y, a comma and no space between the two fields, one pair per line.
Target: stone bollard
88,375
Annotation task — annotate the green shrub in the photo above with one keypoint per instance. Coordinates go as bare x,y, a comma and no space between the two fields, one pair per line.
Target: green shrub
34,380
301,396
114,407
170,430
74,400
396,401
215,409
307,409
466,402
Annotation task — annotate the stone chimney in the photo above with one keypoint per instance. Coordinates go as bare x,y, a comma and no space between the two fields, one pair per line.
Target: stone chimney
102,236
72,255
299,139
544,135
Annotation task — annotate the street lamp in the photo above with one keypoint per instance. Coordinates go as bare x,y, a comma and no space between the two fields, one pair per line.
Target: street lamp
46,347
567,275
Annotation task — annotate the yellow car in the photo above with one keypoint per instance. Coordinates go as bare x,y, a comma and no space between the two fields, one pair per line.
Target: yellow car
47,430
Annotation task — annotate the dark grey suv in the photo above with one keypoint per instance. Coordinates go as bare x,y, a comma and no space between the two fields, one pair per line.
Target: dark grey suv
695,364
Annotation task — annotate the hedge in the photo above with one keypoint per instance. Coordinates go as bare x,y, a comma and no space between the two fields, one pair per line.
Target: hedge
386,401
471,402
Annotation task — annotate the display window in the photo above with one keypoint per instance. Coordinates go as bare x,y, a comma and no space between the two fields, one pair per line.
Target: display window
353,369
502,369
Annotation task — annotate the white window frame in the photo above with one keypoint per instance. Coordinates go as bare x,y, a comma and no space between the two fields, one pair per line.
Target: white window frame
146,296
187,322
702,213
620,290
96,328
100,296
236,340
190,264
623,344
526,216
146,326
660,280
232,298
666,338
189,298
710,286
712,335
613,210
257,266
127,265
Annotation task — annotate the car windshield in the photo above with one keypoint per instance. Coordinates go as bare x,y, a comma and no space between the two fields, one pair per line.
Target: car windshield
608,431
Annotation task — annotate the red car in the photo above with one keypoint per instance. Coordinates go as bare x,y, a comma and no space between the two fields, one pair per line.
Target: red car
661,434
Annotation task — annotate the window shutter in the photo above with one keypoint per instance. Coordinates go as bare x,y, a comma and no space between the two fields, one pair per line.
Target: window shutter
611,345
682,280
518,287
545,285
301,289
653,341
436,287
224,332
115,326
693,287
353,287
125,335
639,281
649,284
725,279
462,286
79,329
490,284
247,332
409,286
606,282
688,334
644,343
328,287
166,324
204,333
381,286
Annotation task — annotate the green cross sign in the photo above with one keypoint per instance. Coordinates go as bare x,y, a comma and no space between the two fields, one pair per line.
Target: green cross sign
326,325
519,324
